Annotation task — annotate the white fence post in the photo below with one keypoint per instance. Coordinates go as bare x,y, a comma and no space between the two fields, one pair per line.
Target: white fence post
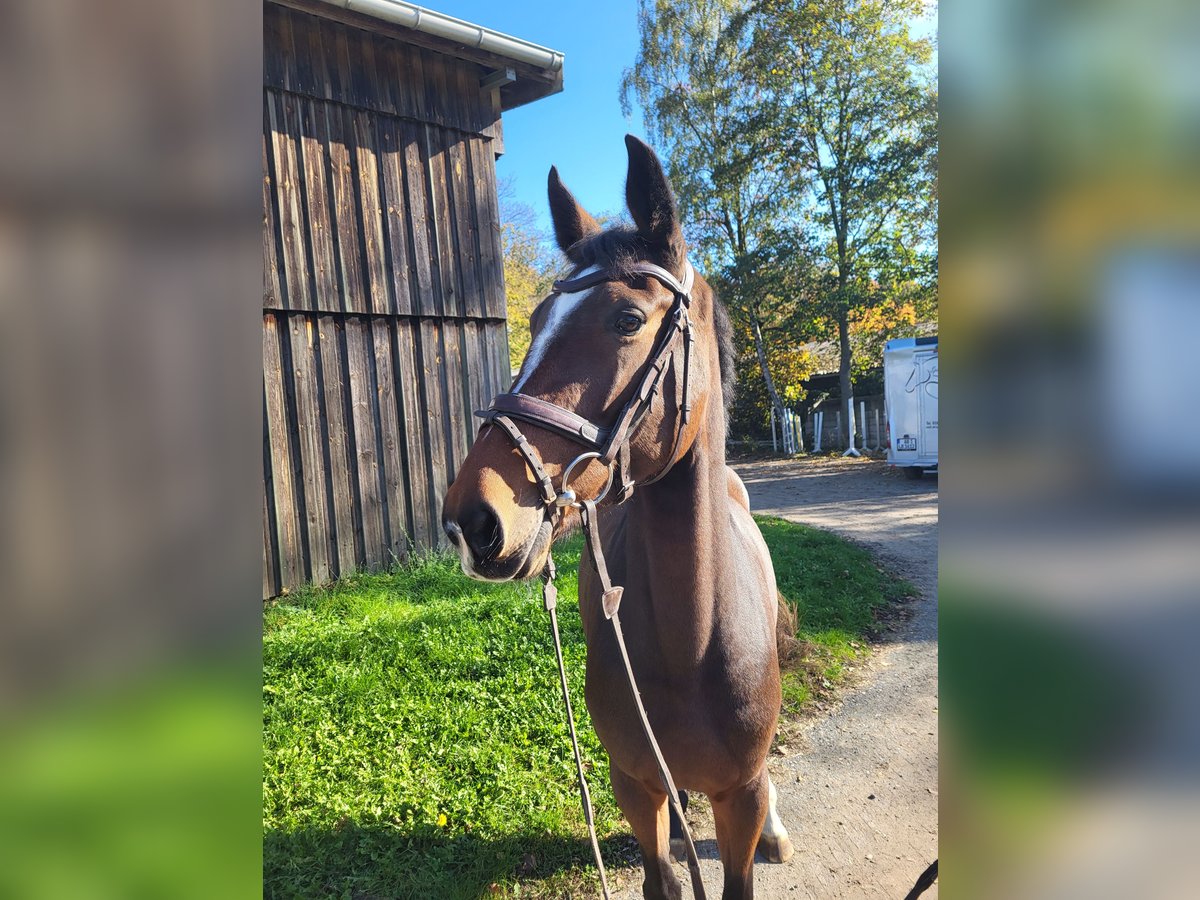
818,427
878,433
774,443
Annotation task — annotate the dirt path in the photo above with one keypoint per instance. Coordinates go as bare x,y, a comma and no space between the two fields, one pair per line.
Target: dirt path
858,790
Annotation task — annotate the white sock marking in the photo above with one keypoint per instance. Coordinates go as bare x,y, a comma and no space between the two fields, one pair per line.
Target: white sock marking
773,827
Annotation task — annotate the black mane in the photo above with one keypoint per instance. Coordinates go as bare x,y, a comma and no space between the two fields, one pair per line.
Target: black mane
620,247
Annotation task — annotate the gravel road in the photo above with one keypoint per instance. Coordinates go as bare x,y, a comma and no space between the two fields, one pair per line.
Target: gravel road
858,788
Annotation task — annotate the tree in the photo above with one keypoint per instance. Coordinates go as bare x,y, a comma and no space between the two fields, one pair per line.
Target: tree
704,110
530,267
850,87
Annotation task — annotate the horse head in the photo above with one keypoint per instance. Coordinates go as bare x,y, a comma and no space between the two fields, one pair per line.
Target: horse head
594,341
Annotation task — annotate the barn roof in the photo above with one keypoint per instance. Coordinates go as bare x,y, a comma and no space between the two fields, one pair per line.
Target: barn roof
523,71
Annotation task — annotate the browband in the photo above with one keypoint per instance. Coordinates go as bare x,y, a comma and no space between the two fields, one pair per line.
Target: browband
591,279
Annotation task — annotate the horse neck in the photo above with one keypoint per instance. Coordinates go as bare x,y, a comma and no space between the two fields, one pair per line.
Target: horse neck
681,530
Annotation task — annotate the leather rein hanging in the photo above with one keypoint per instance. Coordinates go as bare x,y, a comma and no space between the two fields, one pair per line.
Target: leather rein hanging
610,445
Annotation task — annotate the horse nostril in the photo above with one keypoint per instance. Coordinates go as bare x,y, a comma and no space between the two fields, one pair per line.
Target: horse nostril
481,530
453,532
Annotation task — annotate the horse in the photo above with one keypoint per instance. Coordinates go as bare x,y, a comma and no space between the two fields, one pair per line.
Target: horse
700,601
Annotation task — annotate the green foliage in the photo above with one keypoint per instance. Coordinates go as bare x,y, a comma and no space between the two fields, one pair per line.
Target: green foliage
836,589
705,111
802,141
413,734
856,109
528,276
531,264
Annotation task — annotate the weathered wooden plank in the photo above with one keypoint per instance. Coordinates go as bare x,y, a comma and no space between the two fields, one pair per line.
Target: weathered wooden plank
395,204
435,406
288,535
314,149
424,296
491,254
286,49
454,371
315,68
371,86
312,446
463,79
288,200
362,72
365,414
305,62
343,61
337,68
439,211
272,41
273,297
417,83
399,75
466,233
378,281
442,101
394,490
342,457
388,75
415,423
478,396
348,240
497,345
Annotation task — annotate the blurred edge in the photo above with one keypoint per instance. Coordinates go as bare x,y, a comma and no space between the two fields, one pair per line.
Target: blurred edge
129,247
1070,558
130,501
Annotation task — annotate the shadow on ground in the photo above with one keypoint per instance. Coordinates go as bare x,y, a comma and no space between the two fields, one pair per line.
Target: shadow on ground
379,861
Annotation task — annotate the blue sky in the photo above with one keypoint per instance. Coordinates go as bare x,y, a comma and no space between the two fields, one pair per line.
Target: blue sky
580,130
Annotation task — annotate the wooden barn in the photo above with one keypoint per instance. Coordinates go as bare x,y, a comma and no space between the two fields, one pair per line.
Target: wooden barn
383,288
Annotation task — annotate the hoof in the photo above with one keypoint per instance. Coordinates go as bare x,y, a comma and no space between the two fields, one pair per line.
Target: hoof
775,850
679,850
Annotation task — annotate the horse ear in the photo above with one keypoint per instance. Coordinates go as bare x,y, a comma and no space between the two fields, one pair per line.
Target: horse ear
572,223
650,199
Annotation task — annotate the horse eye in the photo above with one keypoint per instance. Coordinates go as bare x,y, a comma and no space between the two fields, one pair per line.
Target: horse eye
628,323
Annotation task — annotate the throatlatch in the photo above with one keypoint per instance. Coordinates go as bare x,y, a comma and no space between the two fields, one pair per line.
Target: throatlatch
611,446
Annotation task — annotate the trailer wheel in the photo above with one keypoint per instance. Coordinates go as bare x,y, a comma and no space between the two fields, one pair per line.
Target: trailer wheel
914,473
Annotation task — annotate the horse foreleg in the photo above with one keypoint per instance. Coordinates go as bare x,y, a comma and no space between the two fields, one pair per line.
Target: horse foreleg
678,847
739,816
646,810
774,845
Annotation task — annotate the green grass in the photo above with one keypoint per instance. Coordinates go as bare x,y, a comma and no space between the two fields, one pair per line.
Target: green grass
414,740
836,590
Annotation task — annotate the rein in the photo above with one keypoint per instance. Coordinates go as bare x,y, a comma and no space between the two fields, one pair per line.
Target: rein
610,445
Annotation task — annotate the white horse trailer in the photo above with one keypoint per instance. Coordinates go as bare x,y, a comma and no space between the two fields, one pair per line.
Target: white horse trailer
910,396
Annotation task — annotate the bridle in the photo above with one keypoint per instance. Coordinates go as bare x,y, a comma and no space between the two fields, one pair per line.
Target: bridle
610,445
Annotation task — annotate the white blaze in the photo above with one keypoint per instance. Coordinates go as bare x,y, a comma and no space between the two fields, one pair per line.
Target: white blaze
564,305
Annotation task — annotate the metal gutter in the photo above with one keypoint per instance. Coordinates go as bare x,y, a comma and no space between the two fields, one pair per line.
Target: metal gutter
409,15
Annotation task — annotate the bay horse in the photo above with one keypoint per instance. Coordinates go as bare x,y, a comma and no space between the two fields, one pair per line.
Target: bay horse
701,605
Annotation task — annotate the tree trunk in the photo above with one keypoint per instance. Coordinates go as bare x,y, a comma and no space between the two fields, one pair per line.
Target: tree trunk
761,350
847,388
